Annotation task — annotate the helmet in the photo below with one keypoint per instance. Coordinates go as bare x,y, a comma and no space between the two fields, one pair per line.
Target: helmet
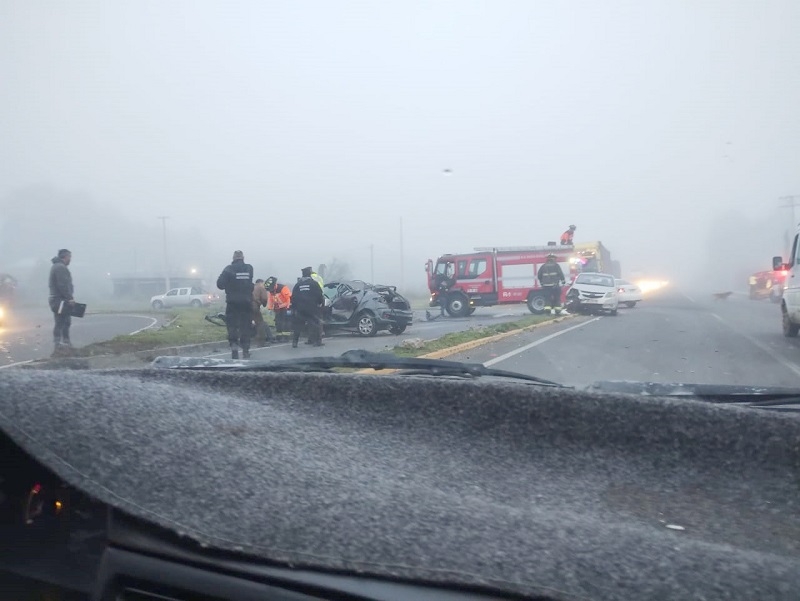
572,227
551,256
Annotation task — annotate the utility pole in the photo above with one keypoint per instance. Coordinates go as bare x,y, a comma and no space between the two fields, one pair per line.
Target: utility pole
166,260
402,258
371,263
791,201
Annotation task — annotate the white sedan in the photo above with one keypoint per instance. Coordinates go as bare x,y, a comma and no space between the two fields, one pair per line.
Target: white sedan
593,292
627,293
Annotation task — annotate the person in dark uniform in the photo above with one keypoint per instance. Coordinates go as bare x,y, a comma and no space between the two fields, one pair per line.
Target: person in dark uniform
307,303
551,277
237,282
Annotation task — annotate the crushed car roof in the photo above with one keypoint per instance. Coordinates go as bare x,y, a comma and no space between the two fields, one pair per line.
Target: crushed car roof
551,492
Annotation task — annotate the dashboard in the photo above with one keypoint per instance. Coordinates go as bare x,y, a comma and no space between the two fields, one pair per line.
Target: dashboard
58,544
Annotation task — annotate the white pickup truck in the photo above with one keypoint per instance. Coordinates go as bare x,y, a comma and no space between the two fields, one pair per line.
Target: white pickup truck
183,297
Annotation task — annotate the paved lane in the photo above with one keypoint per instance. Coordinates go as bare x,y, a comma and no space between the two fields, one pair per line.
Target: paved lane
668,338
28,333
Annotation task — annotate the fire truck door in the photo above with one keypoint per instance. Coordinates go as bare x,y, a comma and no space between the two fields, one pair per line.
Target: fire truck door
475,275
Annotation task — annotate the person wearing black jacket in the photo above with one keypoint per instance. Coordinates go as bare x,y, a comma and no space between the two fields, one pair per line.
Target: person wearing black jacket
61,300
237,282
551,277
307,303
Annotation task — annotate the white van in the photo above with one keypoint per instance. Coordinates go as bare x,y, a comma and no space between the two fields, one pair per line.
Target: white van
790,303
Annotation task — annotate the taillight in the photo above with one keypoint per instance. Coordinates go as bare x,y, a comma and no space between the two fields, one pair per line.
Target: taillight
620,289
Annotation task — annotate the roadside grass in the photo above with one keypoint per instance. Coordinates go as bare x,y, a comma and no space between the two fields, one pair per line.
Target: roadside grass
477,333
178,327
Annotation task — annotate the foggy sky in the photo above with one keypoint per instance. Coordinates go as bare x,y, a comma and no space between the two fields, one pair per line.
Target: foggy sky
299,131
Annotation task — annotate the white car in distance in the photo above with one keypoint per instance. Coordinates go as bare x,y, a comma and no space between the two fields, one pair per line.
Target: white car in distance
628,294
182,297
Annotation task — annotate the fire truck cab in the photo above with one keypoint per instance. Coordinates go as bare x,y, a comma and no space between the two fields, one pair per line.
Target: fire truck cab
506,275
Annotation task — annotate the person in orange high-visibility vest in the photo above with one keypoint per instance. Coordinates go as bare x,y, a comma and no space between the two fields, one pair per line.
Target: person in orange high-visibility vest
280,299
566,237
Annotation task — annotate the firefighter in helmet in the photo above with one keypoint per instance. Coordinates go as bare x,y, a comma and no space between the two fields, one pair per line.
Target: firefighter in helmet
566,237
551,277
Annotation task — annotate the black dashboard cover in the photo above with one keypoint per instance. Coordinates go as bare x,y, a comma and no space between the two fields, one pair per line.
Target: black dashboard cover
536,491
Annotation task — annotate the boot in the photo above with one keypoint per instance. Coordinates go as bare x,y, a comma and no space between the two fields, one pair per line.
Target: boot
234,351
246,353
294,343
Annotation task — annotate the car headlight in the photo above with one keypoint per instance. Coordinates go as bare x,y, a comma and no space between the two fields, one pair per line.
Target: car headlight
611,294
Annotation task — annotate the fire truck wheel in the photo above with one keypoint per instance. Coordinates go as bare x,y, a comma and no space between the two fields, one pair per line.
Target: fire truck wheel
536,303
457,305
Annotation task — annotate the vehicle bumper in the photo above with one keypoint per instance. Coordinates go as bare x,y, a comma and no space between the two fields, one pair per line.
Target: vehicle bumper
393,317
597,303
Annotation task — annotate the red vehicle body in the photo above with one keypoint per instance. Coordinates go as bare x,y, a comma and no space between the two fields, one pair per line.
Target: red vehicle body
508,275
768,284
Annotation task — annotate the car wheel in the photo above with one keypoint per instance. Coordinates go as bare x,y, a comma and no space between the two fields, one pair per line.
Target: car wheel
457,305
630,304
196,303
471,310
536,303
790,329
367,325
397,330
158,305
613,312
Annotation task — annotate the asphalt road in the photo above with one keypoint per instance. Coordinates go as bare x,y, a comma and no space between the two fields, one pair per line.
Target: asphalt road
339,343
670,337
28,333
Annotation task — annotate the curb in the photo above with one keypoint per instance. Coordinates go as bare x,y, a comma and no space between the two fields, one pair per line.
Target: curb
466,346
176,350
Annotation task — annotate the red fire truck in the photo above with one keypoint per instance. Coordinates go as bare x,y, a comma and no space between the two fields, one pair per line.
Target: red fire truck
507,275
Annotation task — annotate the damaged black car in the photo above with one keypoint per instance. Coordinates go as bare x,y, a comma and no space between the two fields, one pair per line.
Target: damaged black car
365,308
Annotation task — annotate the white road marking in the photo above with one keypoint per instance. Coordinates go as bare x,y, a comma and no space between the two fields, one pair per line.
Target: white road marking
787,364
691,300
154,322
535,343
17,363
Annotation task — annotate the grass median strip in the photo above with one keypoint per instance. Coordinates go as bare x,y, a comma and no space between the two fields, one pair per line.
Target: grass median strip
455,339
177,328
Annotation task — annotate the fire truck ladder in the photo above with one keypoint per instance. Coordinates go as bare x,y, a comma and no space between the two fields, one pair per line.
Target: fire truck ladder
550,248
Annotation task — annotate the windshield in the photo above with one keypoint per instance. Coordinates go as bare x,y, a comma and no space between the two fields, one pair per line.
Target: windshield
595,279
418,161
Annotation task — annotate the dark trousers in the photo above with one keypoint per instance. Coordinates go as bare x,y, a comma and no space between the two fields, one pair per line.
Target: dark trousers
283,323
61,329
309,318
263,333
239,318
553,296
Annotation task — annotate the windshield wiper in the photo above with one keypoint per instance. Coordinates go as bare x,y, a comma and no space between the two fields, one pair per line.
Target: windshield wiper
760,397
357,359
